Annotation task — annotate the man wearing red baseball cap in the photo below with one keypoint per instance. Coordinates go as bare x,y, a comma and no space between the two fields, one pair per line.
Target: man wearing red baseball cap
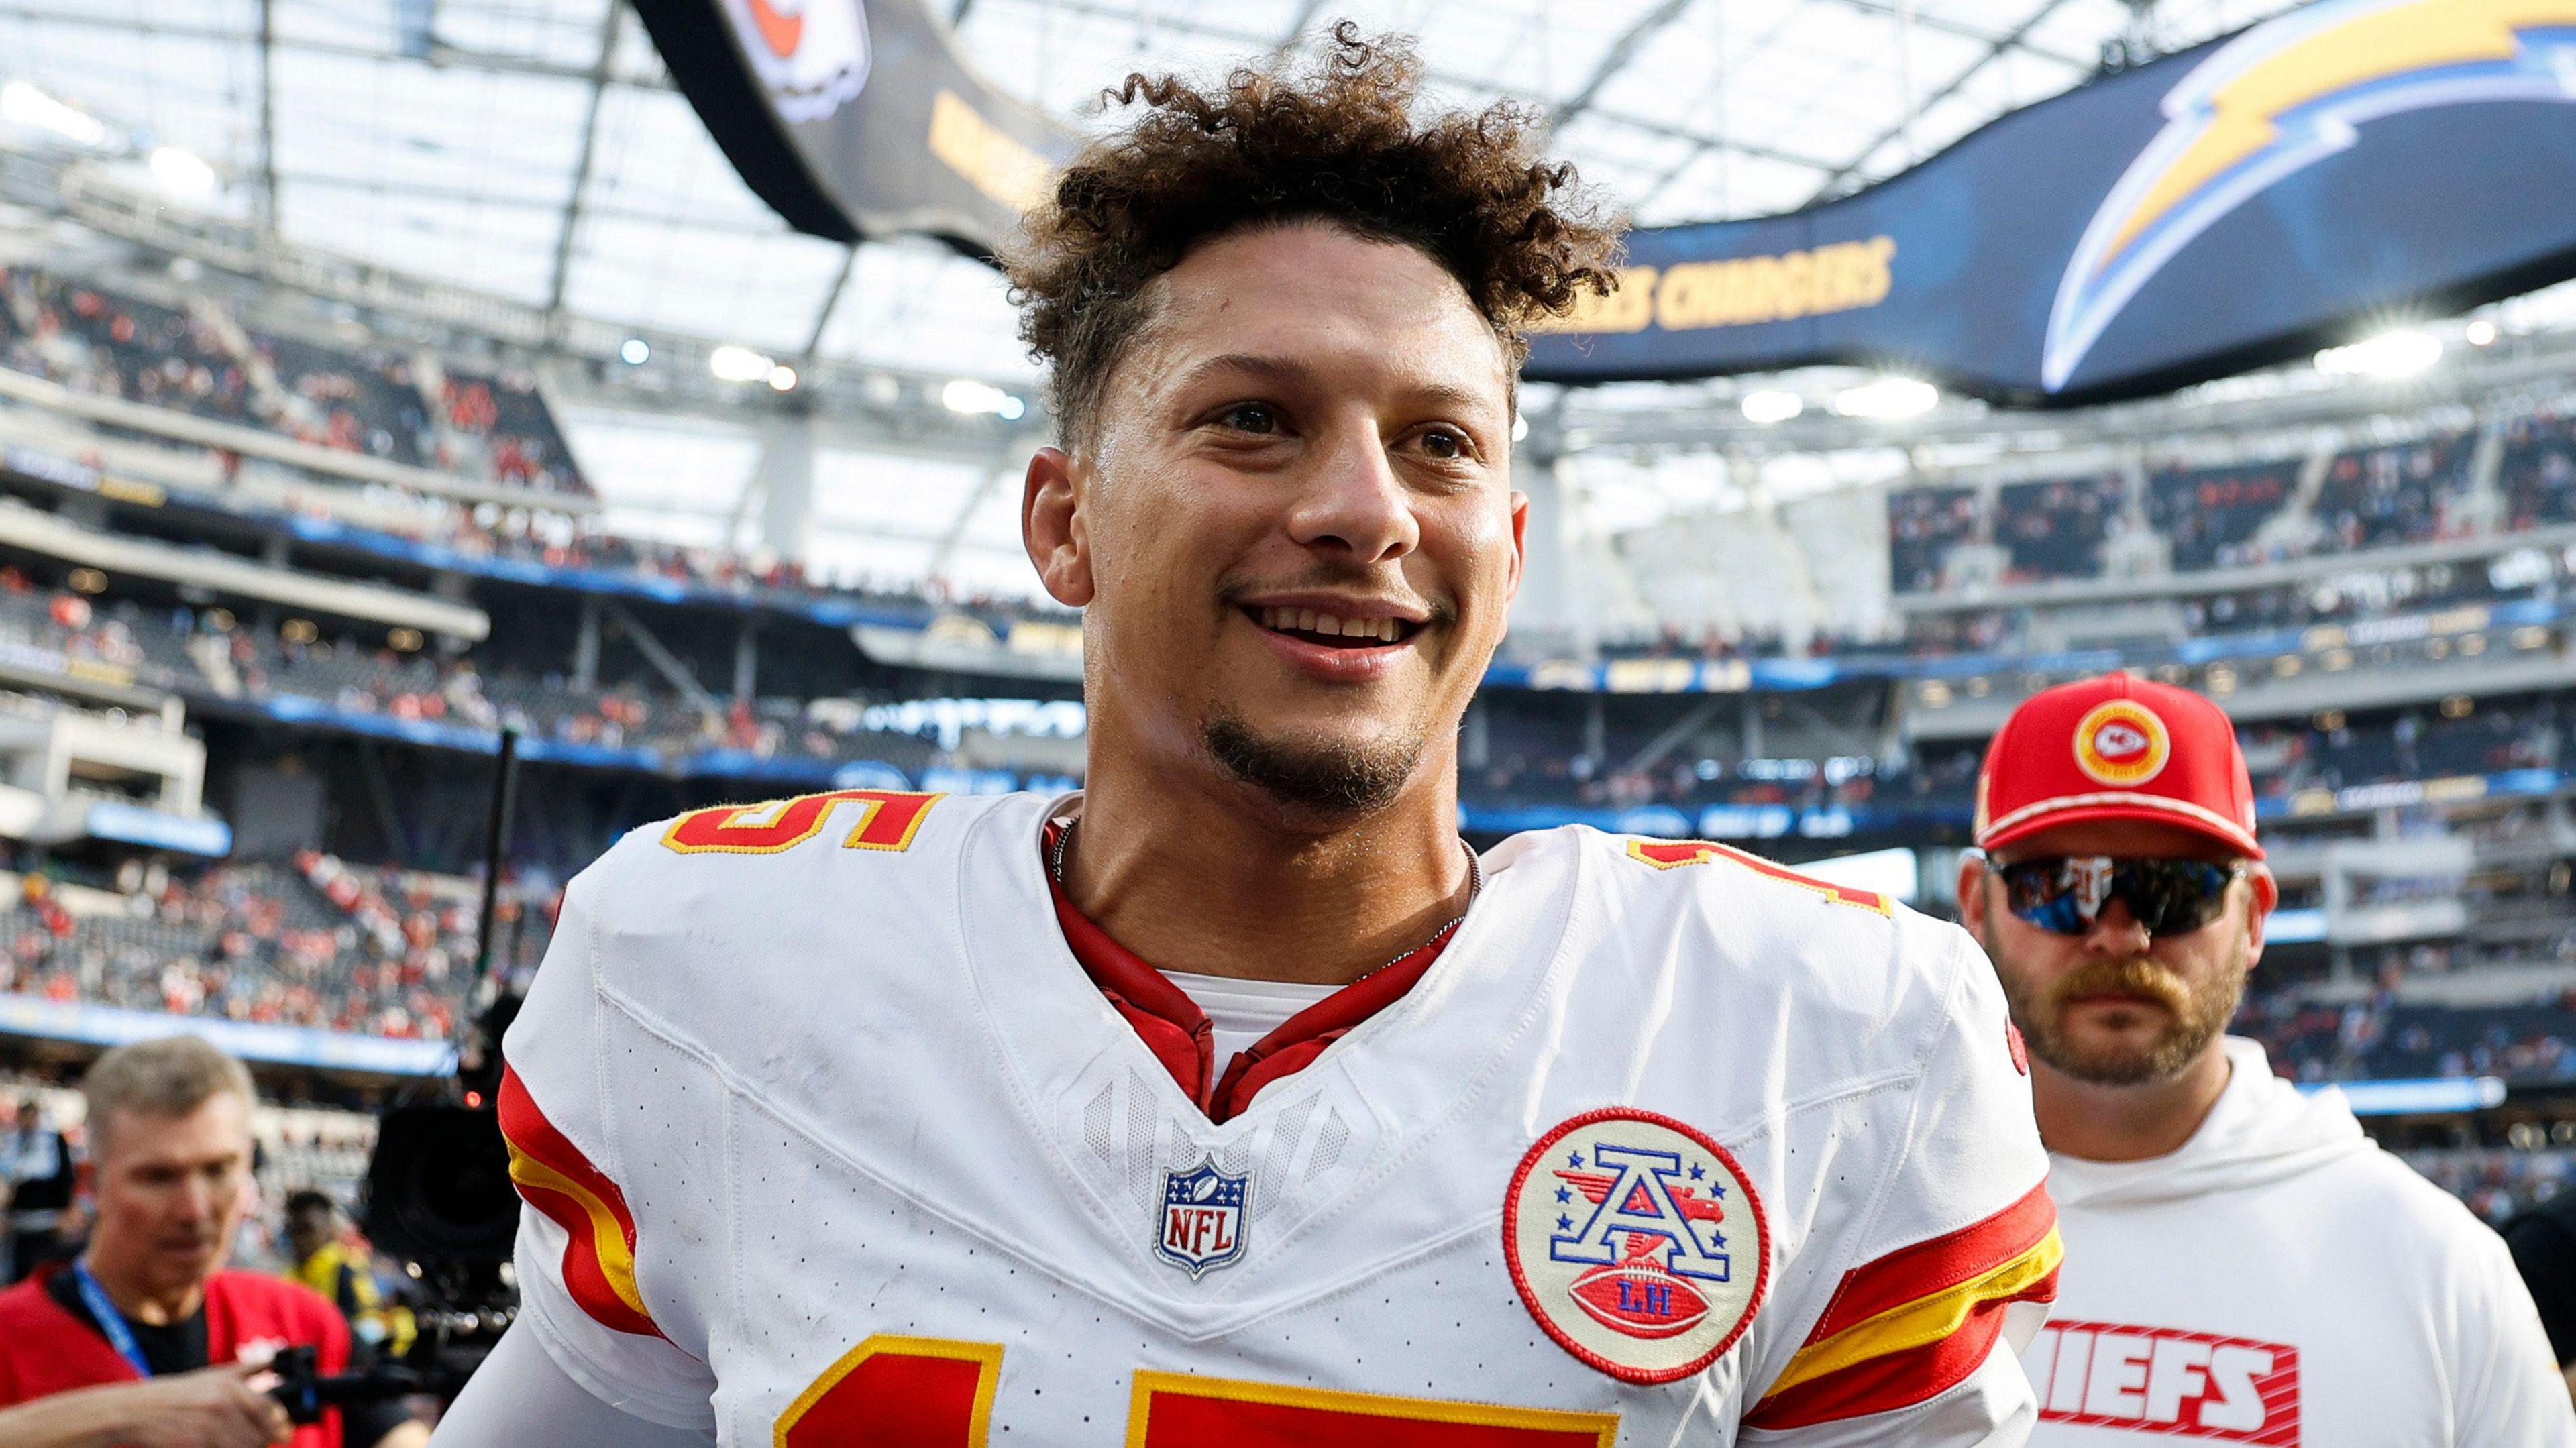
2242,1263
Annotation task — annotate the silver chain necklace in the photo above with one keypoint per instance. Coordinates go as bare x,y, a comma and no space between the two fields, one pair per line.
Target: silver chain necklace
1475,887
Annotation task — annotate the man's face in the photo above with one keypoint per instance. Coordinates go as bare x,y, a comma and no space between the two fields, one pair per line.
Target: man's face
171,1189
308,1231
2116,1006
1294,529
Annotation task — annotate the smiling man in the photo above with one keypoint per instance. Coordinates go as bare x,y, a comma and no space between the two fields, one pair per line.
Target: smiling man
1234,1100
2242,1263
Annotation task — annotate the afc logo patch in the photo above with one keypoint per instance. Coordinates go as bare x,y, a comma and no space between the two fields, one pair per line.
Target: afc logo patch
1637,1243
1202,1222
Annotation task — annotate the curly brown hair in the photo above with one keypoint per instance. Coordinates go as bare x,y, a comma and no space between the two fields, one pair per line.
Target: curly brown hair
1339,144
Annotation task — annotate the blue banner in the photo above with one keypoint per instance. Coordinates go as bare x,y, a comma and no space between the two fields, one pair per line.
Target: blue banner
2236,204
26,1015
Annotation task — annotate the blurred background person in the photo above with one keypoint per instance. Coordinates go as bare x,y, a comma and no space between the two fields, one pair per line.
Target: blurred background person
149,1302
332,1259
36,1173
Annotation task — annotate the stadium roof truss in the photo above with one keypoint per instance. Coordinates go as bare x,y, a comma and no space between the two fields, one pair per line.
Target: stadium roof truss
536,150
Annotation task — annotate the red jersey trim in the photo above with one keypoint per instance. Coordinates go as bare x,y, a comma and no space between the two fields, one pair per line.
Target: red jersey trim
1180,1035
555,1178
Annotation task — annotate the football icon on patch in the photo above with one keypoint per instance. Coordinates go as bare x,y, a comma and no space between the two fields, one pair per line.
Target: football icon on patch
1637,1243
2121,741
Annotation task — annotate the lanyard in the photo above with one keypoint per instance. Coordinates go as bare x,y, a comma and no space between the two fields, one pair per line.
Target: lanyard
110,1321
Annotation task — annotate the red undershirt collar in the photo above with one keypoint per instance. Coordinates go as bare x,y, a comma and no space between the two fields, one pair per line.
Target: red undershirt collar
1179,1034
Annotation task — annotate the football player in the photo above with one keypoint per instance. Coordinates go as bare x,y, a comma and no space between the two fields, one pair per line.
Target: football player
2243,1264
1234,1100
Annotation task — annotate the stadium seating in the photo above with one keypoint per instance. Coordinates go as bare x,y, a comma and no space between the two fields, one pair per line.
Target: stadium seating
2055,529
317,945
2211,514
2537,473
1922,525
2407,493
369,401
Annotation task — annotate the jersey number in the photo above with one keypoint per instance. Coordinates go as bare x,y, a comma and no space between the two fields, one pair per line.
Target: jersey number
886,822
923,1392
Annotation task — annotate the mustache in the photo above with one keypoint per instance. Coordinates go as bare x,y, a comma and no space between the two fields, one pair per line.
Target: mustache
2133,976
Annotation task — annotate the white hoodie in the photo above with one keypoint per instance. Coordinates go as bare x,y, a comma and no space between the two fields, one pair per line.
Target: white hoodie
2281,1280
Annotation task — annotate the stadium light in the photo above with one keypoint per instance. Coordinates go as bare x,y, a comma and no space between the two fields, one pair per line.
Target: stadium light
22,102
969,396
635,352
1888,398
2482,333
782,378
182,173
738,364
2401,353
1770,405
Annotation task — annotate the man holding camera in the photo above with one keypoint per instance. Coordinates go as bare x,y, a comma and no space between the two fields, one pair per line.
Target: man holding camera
146,1338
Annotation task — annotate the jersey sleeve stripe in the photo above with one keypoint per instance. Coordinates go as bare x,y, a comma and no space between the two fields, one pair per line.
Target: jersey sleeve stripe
1883,1384
553,1177
1876,1350
1913,1273
2030,1277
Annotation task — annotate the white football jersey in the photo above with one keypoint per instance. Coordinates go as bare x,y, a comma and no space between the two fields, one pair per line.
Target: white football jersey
2280,1280
827,1138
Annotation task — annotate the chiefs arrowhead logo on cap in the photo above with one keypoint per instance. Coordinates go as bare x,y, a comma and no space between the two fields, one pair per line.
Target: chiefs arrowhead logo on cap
2121,742
2116,747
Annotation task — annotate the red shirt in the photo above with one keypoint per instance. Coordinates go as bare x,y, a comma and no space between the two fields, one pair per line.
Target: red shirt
1179,1034
45,1350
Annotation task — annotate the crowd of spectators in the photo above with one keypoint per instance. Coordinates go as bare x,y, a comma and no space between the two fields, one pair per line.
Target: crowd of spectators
95,341
2055,529
2211,515
2419,743
372,401
211,651
2214,517
507,418
349,401
1537,760
1923,524
2537,472
2385,1038
2402,493
2496,1182
318,944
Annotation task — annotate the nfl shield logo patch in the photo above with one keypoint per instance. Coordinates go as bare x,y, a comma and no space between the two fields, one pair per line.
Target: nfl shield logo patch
1202,1227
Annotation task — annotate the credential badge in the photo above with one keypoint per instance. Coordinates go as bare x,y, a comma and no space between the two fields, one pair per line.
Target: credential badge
1202,1225
1637,1243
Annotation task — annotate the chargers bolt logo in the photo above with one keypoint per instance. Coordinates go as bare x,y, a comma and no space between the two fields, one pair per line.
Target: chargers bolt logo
1637,1243
2121,742
1202,1225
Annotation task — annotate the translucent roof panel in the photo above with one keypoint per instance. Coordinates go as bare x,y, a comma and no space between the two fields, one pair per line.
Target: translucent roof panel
536,150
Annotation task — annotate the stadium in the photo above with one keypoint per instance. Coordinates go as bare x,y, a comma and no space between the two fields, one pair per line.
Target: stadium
438,438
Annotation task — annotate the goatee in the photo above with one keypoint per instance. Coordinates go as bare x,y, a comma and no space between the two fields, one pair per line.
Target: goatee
1324,778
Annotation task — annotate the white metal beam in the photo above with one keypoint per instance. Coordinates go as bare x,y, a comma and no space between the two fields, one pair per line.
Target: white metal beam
571,224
